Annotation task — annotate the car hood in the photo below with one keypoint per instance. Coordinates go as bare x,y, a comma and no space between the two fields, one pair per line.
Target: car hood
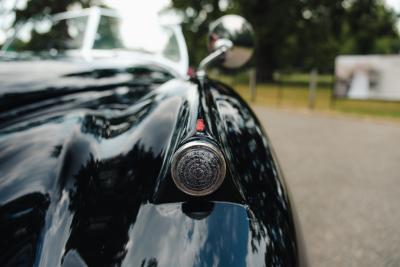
76,135
41,70
84,176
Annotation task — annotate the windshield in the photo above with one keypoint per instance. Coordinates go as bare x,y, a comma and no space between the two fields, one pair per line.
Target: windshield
98,29
47,35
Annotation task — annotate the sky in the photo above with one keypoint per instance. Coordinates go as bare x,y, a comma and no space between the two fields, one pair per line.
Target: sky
395,4
127,7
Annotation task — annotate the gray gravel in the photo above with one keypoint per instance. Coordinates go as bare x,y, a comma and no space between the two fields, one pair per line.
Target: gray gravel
344,176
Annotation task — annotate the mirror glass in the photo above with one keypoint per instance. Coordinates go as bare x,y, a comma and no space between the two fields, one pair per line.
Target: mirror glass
240,33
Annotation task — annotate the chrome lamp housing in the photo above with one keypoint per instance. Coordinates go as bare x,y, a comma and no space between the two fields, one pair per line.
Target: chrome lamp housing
198,168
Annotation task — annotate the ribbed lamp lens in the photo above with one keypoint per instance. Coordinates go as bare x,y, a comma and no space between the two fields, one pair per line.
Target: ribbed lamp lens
198,168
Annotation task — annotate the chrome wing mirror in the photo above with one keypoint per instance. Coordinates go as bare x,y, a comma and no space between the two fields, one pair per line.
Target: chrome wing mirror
230,41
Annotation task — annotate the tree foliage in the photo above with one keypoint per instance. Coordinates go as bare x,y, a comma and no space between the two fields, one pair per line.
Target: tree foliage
298,35
290,35
36,8
57,37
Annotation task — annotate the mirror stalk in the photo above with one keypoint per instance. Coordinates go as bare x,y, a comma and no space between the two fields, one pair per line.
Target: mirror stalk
223,45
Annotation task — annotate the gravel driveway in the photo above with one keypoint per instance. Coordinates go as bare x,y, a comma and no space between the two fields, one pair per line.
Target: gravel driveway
344,176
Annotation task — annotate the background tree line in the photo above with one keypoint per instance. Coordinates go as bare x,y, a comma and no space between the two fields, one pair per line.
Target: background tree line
297,35
290,35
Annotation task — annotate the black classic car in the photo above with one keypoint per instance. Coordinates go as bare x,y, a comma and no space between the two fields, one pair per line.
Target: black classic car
112,155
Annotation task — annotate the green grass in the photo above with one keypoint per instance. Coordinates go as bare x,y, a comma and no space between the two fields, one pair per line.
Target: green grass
290,96
292,92
304,78
294,79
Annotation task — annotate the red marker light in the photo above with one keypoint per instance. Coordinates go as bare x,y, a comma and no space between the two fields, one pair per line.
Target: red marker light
200,126
191,72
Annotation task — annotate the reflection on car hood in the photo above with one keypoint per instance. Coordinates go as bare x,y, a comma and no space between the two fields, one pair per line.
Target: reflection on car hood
83,150
70,133
25,85
37,73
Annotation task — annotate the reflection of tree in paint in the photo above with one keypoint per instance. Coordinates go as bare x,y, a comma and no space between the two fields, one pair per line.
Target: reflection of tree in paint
271,222
21,222
151,263
106,200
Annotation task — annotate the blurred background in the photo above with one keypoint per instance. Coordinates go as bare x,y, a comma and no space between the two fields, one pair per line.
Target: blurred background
324,82
297,45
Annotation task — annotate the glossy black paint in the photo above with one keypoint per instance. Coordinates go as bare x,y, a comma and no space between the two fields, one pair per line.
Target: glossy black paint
85,153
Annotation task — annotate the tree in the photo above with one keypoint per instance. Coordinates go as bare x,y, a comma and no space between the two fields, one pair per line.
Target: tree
55,37
372,27
197,15
46,7
298,35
